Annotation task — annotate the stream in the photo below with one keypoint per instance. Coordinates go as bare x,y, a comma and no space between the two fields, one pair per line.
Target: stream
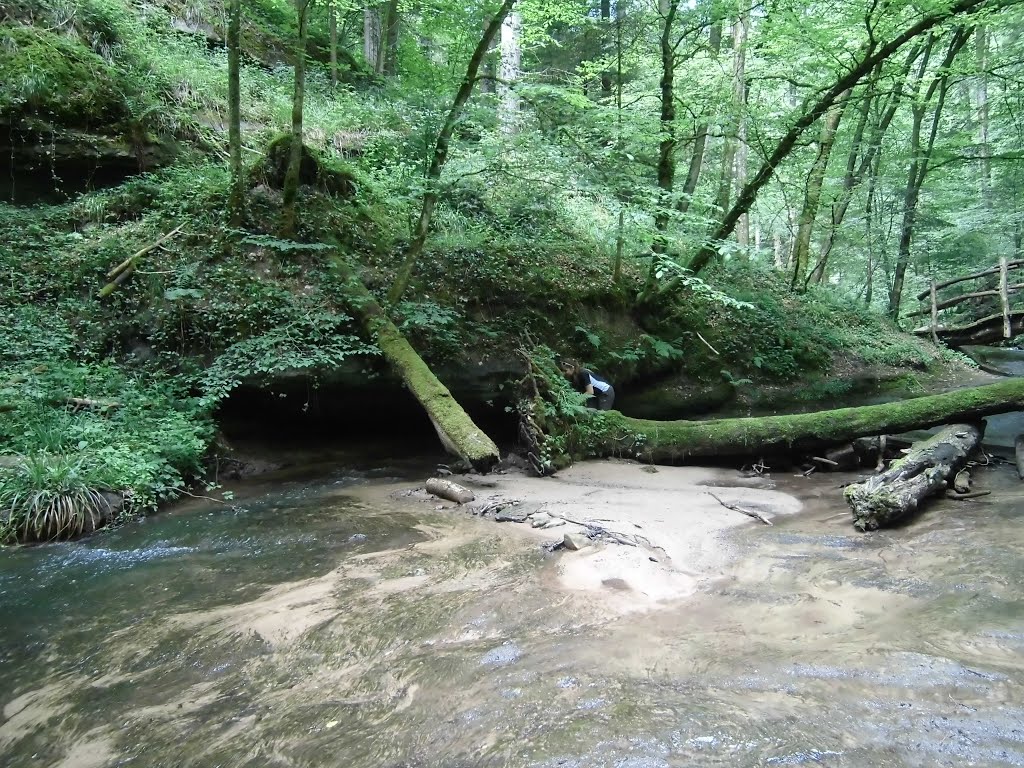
332,620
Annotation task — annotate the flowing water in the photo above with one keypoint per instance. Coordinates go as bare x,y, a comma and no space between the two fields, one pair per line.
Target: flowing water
335,623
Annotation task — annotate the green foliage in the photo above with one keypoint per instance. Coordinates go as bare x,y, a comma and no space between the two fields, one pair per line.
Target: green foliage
430,326
45,497
57,77
314,343
144,439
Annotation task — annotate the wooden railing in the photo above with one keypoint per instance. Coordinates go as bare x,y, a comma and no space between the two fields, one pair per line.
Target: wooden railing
1003,292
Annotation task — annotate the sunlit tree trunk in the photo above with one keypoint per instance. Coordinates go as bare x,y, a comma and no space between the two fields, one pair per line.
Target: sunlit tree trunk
373,33
981,53
444,137
812,193
291,178
740,33
700,139
236,200
511,56
920,156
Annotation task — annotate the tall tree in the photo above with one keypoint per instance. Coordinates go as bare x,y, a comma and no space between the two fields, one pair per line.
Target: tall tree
812,192
920,156
741,31
236,200
509,72
332,26
700,139
440,157
291,178
860,159
667,10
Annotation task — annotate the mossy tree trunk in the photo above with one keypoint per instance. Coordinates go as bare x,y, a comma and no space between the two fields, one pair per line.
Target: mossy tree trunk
812,194
236,200
612,434
444,138
455,428
291,178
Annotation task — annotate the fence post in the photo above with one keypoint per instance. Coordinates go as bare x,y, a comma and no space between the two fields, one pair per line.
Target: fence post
1004,297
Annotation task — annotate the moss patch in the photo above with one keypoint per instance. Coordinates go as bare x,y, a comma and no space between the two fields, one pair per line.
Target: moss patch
57,77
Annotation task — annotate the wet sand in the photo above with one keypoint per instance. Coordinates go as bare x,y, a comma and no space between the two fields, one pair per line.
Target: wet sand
671,513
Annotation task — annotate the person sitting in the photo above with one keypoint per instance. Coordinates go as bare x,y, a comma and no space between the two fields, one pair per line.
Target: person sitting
602,393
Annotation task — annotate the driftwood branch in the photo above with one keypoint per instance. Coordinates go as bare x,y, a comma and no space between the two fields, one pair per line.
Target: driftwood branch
446,489
119,274
742,510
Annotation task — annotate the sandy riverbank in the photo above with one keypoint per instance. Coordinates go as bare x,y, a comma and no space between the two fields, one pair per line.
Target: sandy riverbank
669,512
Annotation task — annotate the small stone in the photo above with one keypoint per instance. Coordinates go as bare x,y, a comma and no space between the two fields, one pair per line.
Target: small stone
554,522
575,541
540,519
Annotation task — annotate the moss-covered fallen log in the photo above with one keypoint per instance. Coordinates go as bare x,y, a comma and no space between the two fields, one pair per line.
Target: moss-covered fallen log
455,428
610,433
928,469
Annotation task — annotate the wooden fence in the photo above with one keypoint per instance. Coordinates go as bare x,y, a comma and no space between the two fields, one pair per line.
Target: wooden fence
1003,292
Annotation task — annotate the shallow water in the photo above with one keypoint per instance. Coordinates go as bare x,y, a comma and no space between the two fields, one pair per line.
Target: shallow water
329,624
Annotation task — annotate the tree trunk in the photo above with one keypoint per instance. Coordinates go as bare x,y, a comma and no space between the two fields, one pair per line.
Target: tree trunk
291,178
373,33
236,200
812,194
392,27
678,441
444,138
862,157
511,56
667,144
981,50
700,139
332,24
919,159
875,54
928,469
456,430
606,75
740,33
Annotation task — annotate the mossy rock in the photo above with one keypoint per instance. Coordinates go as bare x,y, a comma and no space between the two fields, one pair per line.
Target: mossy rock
56,76
314,171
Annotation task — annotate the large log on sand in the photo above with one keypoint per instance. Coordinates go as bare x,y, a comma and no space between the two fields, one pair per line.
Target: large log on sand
677,441
929,467
457,432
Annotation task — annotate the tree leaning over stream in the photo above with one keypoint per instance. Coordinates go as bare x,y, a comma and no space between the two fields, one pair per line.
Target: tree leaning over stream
873,53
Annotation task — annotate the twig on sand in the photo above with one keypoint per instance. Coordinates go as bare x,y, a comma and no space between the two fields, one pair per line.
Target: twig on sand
961,496
747,512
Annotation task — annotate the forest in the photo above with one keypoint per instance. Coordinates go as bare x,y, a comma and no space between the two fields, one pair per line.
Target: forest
272,207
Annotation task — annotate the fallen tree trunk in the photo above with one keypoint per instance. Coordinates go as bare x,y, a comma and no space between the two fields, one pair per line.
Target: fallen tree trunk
677,441
446,489
457,432
926,470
